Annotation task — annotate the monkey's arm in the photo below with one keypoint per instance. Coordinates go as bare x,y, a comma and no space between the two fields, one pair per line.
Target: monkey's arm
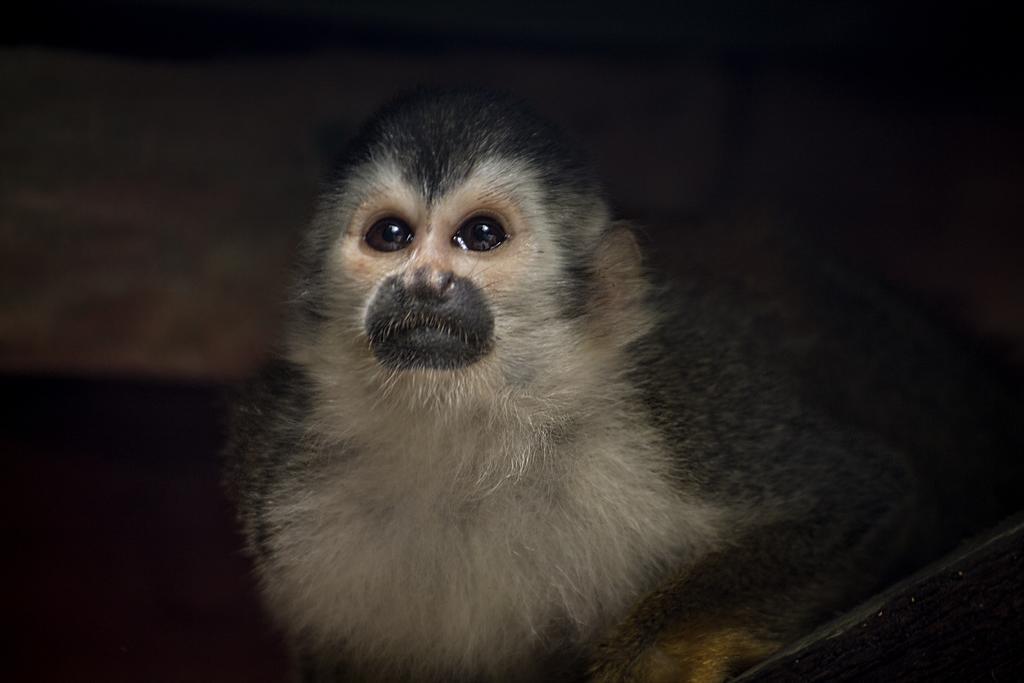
768,586
734,608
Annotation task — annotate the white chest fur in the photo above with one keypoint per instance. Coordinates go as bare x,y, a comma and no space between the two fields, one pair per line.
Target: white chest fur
406,557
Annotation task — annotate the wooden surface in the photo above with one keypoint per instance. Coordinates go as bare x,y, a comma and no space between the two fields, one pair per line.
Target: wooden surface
960,619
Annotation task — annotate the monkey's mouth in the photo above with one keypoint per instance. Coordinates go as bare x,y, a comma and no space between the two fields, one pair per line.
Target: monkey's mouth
421,327
419,341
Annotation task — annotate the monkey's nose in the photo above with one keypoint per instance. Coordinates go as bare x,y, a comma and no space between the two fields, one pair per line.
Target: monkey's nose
432,284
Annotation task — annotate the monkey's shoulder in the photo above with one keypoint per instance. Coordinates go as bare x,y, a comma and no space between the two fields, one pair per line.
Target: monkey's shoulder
265,420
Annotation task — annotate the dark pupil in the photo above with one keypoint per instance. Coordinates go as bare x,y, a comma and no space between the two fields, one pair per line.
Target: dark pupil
484,235
393,232
480,234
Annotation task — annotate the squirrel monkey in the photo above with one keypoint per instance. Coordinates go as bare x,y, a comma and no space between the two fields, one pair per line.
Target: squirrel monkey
491,450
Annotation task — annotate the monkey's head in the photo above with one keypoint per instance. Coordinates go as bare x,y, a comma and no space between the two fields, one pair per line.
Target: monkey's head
461,238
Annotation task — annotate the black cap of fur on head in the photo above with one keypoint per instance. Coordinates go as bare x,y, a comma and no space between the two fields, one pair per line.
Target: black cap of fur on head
437,135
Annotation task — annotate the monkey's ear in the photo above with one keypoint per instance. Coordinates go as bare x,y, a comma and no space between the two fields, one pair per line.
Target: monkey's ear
620,245
619,262
621,287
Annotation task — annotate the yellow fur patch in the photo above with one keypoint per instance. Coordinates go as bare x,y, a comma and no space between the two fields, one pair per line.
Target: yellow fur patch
699,655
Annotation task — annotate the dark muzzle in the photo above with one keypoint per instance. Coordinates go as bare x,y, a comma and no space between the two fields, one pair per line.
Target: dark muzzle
438,324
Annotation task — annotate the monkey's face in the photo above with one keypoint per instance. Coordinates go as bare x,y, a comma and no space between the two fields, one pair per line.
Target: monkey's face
431,273
462,240
438,283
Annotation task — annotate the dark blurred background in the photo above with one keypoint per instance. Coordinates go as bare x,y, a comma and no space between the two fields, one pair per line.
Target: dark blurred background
157,159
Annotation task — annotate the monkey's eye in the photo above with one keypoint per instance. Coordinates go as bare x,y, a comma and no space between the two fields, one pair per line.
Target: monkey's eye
389,234
480,234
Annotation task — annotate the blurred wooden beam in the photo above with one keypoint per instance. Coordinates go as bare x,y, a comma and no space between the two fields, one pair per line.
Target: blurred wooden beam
960,619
